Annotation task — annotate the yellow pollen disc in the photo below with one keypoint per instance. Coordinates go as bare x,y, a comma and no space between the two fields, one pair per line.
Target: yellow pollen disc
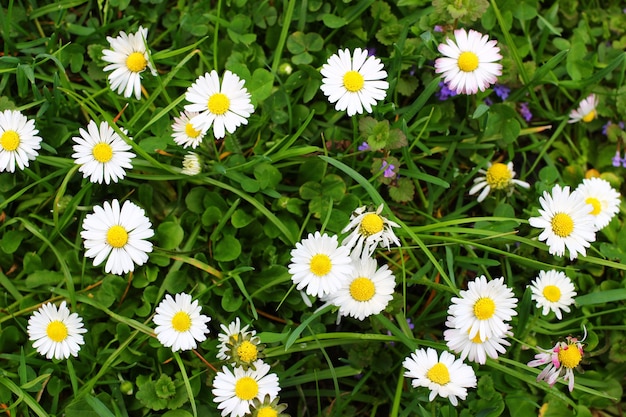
562,224
439,374
468,61
102,152
117,236
570,357
476,339
353,81
484,308
136,62
10,140
218,104
181,322
267,411
320,265
247,352
246,388
56,331
191,132
498,176
597,206
371,224
362,289
552,293
590,116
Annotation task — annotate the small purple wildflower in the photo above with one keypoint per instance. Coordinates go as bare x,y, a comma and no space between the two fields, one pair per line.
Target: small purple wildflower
388,170
488,101
438,28
617,159
501,91
607,126
410,323
371,51
525,111
624,162
363,147
445,93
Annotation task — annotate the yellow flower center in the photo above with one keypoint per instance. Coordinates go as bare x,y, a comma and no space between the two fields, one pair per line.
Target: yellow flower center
102,152
218,104
498,176
191,132
136,62
246,388
362,289
597,206
56,331
590,116
468,61
247,352
570,356
117,236
439,374
320,264
181,322
476,339
371,224
484,308
267,411
562,224
552,293
353,81
10,140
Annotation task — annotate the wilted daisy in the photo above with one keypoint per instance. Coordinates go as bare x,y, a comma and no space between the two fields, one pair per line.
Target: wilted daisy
179,322
234,390
470,62
367,291
553,290
499,177
185,134
445,376
55,332
561,360
483,309
319,264
233,330
369,229
566,221
128,58
586,110
604,199
225,107
18,140
354,82
191,164
474,349
101,153
119,235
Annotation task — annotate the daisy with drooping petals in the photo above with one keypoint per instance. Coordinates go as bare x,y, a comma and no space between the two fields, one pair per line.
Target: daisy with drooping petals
355,82
586,110
233,330
566,221
475,349
225,107
561,360
119,235
18,140
192,165
604,199
128,58
553,290
445,376
499,177
185,134
234,390
55,332
179,322
101,153
369,229
320,264
483,309
470,62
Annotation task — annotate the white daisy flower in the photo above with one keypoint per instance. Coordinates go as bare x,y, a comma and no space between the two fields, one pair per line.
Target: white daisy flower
192,164
566,221
367,291
369,229
128,58
234,390
355,82
320,264
101,153
561,360
499,177
475,349
179,322
445,376
185,134
18,140
483,309
553,290
224,107
55,332
586,110
233,330
469,63
119,234
604,199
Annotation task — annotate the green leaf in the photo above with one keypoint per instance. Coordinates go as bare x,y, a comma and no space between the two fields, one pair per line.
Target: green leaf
261,84
267,175
11,240
230,301
333,22
241,219
601,297
227,249
170,235
403,191
44,277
